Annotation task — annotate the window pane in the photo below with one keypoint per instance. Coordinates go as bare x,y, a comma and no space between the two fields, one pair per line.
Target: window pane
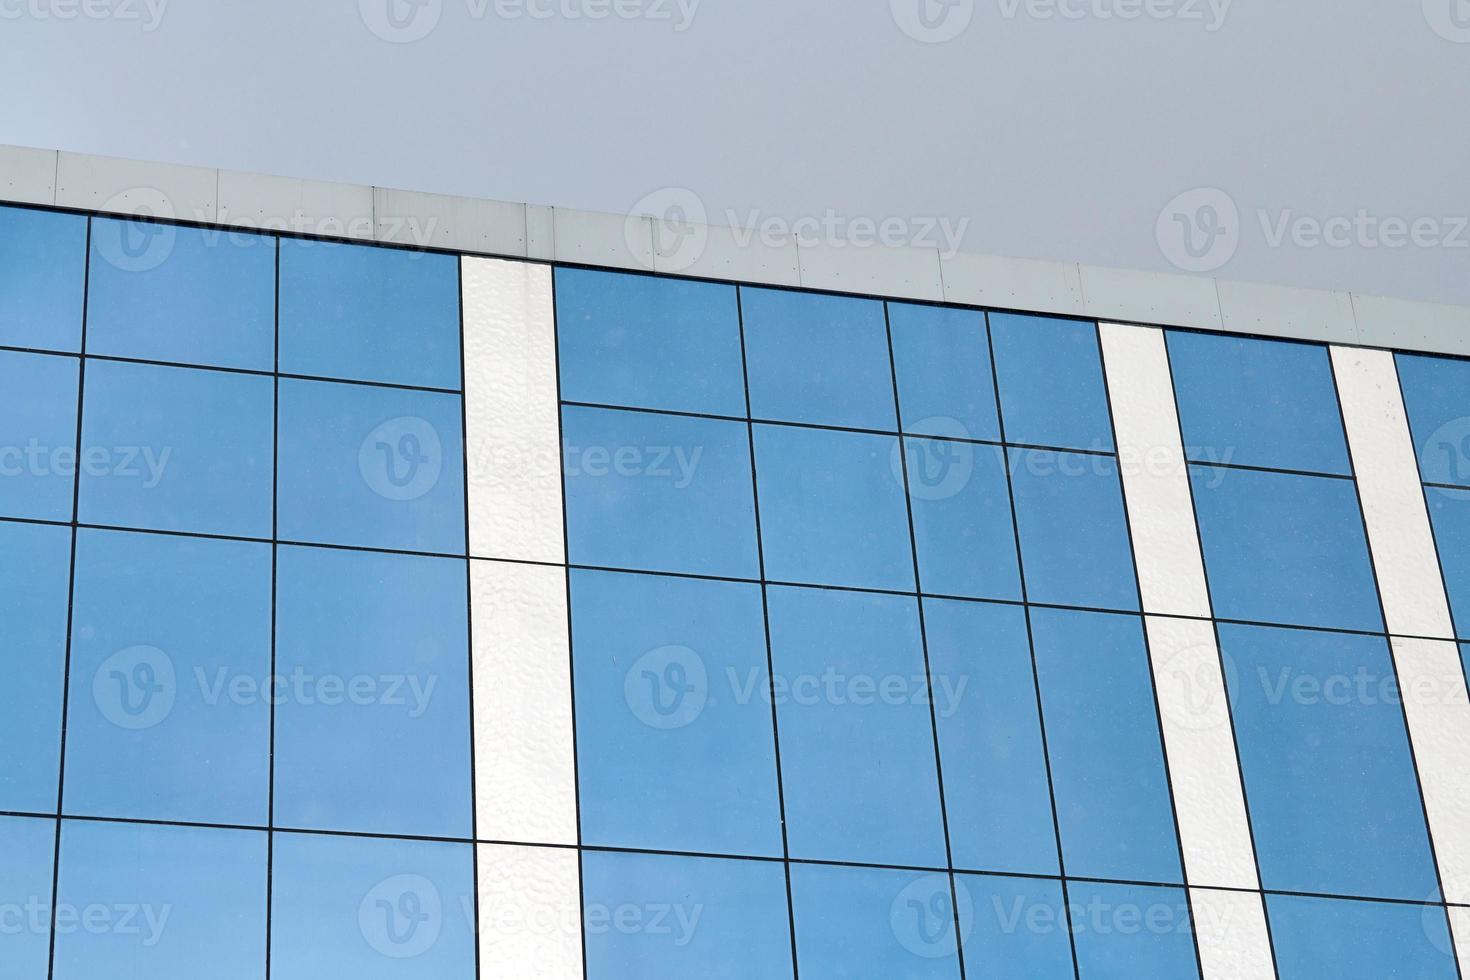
1132,932
1328,772
372,730
369,314
35,563
371,909
175,449
38,435
942,359
659,492
1049,372
43,258
1257,402
649,342
857,745
1074,534
1107,758
162,901
1449,512
1020,928
1282,548
671,677
832,509
660,917
1437,397
818,359
28,847
376,467
995,781
171,650
192,295
963,527
872,922
1321,937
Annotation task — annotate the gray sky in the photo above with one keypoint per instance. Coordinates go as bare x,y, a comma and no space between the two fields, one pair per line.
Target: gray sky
1043,128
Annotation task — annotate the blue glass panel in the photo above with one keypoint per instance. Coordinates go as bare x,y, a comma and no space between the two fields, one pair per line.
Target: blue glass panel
995,785
659,492
369,314
1449,512
660,917
43,259
818,359
1074,533
192,295
1049,373
872,922
1345,940
372,650
376,467
857,745
1257,402
1107,759
649,342
832,508
1020,928
671,677
371,909
38,435
1437,397
1287,549
963,527
1131,932
942,359
171,650
1333,794
28,847
163,901
35,565
175,449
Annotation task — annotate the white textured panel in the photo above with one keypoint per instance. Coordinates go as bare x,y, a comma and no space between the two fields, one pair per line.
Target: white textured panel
1233,941
1020,284
1393,500
540,232
1171,573
441,221
525,772
1438,709
1286,311
27,176
1412,326
1460,932
1150,297
718,252
904,273
308,207
594,238
1200,745
131,187
530,913
513,435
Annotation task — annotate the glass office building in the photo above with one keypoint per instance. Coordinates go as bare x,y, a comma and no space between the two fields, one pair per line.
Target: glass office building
380,612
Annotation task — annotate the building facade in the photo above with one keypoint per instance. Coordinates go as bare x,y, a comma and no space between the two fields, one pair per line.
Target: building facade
379,611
